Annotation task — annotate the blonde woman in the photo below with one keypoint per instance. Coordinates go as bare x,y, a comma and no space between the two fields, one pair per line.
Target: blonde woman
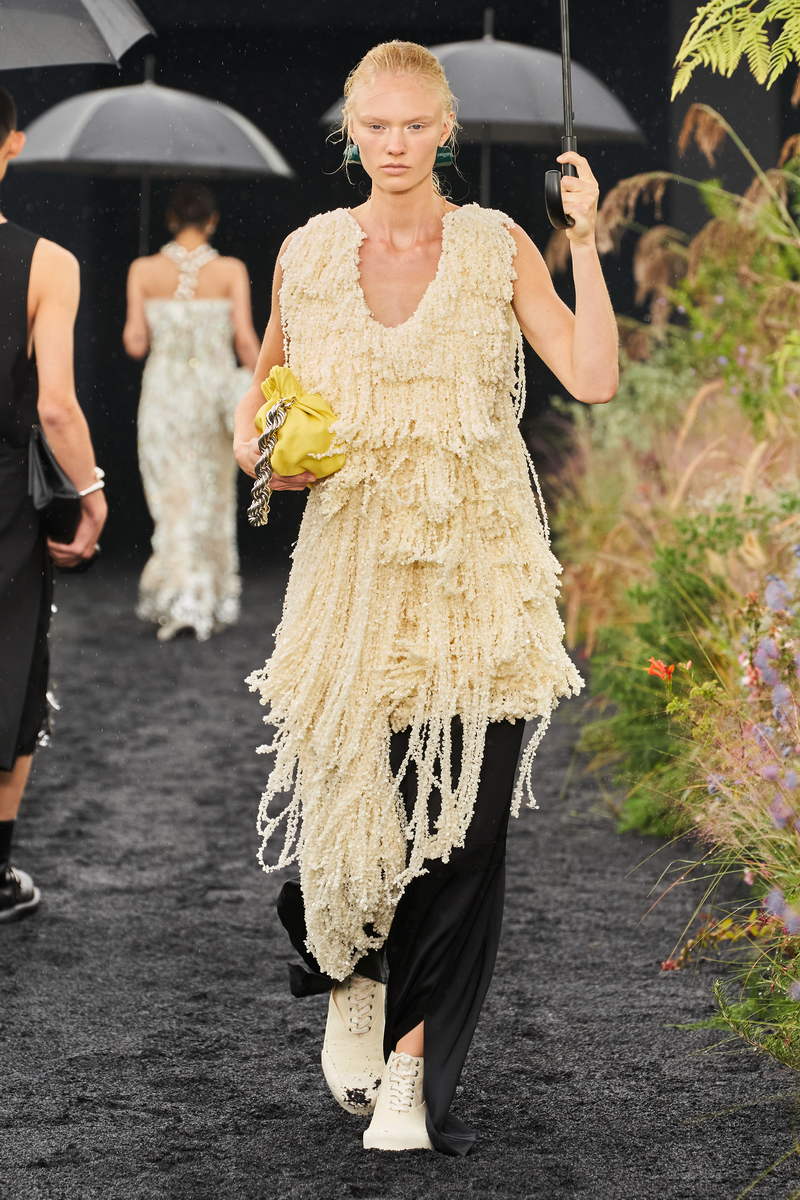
419,628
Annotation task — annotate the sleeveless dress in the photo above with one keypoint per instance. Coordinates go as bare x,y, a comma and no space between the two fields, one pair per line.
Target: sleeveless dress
187,467
25,567
423,587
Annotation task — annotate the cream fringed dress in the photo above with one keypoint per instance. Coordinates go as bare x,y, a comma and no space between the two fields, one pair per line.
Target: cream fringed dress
184,422
422,581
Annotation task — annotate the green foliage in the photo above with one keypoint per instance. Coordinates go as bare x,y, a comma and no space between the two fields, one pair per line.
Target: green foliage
650,397
723,32
764,1016
646,749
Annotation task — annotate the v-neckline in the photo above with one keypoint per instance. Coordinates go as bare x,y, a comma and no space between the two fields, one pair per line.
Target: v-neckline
361,235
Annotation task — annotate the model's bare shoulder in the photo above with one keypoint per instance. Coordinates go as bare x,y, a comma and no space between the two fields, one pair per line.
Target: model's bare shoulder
51,257
140,268
288,242
229,263
55,276
526,246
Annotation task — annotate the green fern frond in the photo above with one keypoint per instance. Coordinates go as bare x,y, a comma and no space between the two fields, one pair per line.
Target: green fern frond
723,32
757,48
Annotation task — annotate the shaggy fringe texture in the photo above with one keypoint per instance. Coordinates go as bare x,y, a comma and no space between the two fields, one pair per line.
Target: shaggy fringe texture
422,582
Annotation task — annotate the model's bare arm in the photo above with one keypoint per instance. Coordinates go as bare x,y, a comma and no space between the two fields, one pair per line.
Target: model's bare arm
54,295
580,348
245,338
245,444
136,335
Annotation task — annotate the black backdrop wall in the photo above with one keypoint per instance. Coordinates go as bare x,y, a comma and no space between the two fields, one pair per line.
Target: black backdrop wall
282,67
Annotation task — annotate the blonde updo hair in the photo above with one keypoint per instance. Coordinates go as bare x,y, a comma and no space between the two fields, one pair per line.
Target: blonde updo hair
398,58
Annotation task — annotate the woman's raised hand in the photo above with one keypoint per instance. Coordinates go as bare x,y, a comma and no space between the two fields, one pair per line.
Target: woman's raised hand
247,455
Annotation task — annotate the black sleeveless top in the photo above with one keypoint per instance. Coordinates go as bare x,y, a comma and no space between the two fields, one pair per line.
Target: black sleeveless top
17,371
25,573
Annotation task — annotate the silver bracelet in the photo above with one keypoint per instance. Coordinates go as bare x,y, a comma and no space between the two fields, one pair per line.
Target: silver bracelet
95,487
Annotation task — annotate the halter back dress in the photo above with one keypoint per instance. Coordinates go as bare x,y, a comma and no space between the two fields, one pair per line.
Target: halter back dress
25,568
423,587
188,471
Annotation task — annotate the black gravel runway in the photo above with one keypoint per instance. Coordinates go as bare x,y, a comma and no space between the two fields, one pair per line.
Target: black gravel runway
148,1041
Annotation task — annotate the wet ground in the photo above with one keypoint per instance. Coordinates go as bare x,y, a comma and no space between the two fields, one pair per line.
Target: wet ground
150,1047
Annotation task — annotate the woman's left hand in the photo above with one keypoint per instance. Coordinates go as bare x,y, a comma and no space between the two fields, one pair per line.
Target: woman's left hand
579,196
291,483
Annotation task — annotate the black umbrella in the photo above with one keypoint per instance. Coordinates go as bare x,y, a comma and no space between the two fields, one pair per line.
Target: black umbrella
148,131
513,93
51,33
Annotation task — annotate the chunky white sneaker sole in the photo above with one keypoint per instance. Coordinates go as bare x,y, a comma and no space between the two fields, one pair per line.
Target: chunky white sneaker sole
386,1140
398,1122
352,1052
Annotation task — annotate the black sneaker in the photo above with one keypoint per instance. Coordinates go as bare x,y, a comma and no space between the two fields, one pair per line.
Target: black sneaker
18,894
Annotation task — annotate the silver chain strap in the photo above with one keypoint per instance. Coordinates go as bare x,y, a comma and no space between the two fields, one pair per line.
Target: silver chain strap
258,512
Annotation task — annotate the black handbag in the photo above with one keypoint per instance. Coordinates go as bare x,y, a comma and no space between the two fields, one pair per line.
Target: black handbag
53,493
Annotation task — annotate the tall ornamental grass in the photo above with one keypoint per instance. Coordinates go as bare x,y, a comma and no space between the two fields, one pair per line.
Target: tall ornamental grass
678,521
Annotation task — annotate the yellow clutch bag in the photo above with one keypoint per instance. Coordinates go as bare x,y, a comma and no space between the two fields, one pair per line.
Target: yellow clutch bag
295,436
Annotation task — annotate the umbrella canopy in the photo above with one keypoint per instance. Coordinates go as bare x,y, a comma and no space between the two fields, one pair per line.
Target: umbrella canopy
508,92
147,130
512,93
50,33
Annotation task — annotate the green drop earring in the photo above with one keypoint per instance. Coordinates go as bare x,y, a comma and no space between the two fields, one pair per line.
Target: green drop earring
444,155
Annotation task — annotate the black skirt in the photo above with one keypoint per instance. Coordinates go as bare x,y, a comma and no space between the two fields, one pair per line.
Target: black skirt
26,582
438,958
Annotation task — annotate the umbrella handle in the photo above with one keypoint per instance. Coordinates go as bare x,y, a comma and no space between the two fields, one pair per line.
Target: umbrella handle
552,188
552,179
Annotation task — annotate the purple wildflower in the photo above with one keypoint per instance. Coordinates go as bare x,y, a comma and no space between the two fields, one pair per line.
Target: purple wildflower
774,902
790,780
698,335
719,298
722,359
777,595
780,812
770,771
761,734
781,700
791,920
765,653
793,990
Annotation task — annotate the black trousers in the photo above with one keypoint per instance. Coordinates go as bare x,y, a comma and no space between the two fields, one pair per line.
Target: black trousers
438,958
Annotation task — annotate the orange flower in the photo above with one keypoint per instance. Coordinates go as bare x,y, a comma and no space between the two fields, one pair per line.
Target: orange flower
657,667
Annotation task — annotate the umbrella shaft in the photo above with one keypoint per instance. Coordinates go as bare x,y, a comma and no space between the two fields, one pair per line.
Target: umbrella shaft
144,216
566,75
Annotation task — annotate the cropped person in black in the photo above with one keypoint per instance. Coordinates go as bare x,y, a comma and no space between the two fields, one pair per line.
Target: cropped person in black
39,291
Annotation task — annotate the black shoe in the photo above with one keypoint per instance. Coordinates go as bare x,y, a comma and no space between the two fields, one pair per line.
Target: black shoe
18,894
